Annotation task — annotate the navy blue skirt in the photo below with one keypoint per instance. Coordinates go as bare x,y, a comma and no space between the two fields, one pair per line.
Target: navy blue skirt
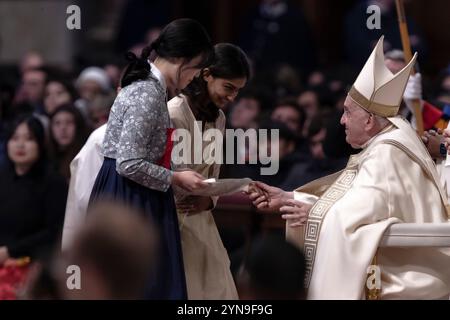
169,281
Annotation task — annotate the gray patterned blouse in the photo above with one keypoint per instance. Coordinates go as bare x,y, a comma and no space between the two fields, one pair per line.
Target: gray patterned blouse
136,133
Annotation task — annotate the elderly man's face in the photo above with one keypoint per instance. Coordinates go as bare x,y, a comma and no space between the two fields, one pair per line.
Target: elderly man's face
355,120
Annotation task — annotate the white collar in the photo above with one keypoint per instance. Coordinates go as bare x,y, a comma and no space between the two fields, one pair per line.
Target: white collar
158,75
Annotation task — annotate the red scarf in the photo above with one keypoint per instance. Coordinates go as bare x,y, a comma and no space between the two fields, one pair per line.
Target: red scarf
165,159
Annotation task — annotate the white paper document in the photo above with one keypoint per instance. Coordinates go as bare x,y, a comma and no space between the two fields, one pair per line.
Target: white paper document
221,187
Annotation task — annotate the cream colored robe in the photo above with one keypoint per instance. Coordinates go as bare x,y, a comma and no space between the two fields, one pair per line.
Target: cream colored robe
83,172
206,262
392,180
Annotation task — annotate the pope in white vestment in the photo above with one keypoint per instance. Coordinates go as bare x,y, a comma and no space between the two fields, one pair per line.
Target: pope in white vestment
382,185
340,219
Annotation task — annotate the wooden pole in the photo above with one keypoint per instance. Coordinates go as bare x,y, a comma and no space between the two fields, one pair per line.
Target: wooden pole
408,56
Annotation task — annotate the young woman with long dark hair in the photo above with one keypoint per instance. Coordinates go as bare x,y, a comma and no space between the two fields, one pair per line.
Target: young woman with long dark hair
137,148
206,261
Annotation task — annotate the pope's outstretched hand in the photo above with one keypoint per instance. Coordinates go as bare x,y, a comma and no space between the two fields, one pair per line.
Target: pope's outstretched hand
265,197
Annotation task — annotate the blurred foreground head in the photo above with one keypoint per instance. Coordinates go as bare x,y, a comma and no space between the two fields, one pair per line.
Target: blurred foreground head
113,254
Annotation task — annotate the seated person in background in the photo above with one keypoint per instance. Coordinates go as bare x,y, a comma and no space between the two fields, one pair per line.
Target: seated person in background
309,102
32,89
289,112
91,82
291,160
32,197
248,109
99,110
57,93
68,133
246,113
318,164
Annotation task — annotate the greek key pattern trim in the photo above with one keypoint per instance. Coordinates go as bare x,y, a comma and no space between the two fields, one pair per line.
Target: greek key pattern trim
318,213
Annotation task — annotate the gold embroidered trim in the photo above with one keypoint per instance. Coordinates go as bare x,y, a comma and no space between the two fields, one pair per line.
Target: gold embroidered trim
317,214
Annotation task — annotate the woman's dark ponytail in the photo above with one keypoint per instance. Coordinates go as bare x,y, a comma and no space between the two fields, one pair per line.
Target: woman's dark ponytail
138,68
145,54
182,38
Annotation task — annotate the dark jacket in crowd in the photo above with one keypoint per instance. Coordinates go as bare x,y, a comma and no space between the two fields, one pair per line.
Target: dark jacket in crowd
31,211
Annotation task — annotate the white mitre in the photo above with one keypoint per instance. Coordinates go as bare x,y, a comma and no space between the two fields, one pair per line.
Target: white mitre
378,90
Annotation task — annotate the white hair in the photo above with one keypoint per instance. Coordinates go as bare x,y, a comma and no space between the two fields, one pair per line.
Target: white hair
95,74
382,121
